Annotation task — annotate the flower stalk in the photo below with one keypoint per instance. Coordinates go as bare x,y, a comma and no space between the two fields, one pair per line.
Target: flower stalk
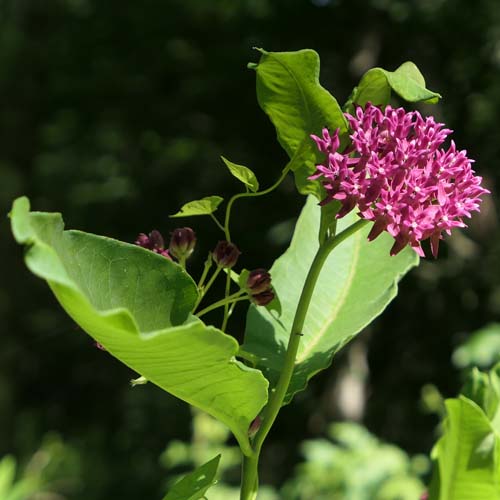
249,485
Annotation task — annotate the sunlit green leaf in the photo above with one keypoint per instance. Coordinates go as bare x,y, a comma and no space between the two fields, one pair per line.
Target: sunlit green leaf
243,174
194,485
407,81
137,304
289,92
205,206
482,348
358,280
467,455
7,475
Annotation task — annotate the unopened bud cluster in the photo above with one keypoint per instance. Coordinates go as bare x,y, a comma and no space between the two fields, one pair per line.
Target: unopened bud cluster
154,242
181,246
259,287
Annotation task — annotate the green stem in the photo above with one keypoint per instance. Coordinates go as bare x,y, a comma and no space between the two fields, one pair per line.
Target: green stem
250,480
250,468
219,225
204,290
226,306
236,297
206,268
251,195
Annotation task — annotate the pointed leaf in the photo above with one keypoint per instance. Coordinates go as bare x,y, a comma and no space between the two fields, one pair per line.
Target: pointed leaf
289,92
193,486
358,280
407,81
205,206
243,174
466,456
137,305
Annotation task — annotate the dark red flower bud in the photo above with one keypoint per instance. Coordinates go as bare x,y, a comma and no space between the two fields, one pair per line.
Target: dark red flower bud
226,254
154,242
263,298
182,242
258,281
142,240
254,426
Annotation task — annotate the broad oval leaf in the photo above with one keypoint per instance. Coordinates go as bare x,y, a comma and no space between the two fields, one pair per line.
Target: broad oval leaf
243,174
407,81
205,206
137,304
194,485
467,455
357,282
289,92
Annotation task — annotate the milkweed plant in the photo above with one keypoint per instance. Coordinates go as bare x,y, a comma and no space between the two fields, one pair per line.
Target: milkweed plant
384,186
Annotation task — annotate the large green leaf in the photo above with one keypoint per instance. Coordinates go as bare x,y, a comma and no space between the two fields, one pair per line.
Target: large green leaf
358,280
194,485
137,305
467,455
407,81
289,92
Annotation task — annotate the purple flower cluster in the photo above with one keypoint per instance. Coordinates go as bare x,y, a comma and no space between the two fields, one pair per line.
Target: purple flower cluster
154,242
398,175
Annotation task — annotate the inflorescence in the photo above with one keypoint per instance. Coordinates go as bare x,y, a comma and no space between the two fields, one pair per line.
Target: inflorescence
398,176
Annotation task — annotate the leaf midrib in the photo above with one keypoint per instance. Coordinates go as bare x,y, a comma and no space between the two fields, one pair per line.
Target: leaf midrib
301,92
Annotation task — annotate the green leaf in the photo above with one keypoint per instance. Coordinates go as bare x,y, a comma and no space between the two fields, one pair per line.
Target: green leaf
482,348
357,282
7,475
205,206
407,81
466,456
484,390
193,486
243,174
289,92
137,305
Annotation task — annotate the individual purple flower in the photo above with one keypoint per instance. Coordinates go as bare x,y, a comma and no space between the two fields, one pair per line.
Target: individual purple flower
182,242
399,176
154,242
226,254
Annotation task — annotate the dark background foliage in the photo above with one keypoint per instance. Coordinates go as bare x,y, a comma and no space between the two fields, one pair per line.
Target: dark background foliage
115,113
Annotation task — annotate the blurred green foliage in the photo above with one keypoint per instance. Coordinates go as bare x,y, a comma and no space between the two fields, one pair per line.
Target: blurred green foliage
349,464
116,114
51,473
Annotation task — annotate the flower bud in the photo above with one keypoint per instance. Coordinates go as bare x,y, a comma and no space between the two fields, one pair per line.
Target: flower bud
254,426
258,281
154,242
226,254
263,298
182,242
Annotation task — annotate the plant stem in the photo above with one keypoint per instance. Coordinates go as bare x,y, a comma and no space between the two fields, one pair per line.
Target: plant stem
204,290
206,268
277,396
228,300
251,195
219,225
226,306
